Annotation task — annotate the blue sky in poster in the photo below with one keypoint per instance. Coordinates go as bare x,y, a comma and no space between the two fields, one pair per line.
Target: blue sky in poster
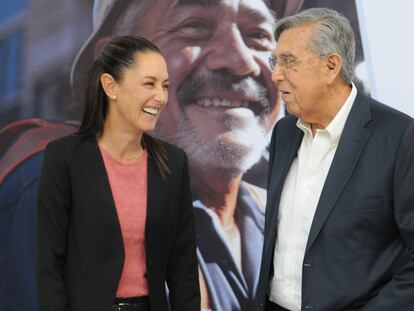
11,7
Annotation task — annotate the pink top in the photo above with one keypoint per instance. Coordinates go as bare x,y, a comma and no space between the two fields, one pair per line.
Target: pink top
129,189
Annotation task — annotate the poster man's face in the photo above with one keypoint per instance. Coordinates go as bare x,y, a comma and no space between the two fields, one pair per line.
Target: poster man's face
222,100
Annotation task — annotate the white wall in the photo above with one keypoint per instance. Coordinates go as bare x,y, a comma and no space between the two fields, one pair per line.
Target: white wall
387,29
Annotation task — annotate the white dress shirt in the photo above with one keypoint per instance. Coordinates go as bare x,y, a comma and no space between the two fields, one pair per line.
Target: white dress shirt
299,199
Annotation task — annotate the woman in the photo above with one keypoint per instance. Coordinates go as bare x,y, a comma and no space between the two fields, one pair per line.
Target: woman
115,218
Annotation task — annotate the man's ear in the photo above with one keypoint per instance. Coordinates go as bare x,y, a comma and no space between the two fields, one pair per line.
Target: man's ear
333,66
109,85
100,44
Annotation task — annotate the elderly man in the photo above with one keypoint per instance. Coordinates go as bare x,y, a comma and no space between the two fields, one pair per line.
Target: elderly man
339,231
222,105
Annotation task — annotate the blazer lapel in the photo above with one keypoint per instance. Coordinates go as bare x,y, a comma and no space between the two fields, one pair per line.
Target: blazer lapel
154,199
96,186
93,168
353,140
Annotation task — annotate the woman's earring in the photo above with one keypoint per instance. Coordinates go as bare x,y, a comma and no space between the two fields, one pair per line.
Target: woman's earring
114,97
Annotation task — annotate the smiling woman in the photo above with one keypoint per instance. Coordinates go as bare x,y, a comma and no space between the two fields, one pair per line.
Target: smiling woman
115,218
128,91
135,99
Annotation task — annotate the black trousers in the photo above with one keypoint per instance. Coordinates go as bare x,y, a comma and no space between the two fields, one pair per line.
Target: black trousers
271,306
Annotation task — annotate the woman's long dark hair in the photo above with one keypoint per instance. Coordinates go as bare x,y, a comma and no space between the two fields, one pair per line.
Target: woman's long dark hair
117,56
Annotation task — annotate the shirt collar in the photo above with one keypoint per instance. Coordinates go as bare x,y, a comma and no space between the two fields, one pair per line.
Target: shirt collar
336,126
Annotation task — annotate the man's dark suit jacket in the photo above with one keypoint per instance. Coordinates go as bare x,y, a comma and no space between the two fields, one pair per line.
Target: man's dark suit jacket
80,251
359,253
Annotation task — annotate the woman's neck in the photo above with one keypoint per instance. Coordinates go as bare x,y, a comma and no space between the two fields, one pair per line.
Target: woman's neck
123,145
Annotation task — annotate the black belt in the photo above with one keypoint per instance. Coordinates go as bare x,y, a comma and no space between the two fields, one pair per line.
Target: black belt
132,304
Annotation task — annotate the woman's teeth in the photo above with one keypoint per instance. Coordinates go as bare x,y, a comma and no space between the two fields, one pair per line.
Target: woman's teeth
151,111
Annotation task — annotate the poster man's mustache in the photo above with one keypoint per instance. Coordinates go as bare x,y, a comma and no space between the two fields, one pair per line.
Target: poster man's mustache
200,86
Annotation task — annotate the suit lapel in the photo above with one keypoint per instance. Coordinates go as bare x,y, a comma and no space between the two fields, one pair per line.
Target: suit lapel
290,142
353,140
281,165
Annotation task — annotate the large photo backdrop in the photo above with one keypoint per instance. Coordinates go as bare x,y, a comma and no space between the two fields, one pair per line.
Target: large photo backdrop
222,107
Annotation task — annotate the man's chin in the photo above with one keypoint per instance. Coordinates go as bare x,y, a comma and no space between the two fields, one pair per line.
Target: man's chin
228,152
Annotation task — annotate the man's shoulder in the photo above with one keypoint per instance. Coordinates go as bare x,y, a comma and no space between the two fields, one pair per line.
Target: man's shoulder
386,113
388,122
23,139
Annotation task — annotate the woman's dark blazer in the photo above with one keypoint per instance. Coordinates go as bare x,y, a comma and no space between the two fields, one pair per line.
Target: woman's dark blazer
80,251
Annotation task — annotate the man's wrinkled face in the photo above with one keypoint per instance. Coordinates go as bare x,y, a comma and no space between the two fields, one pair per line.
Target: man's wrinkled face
222,101
303,84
